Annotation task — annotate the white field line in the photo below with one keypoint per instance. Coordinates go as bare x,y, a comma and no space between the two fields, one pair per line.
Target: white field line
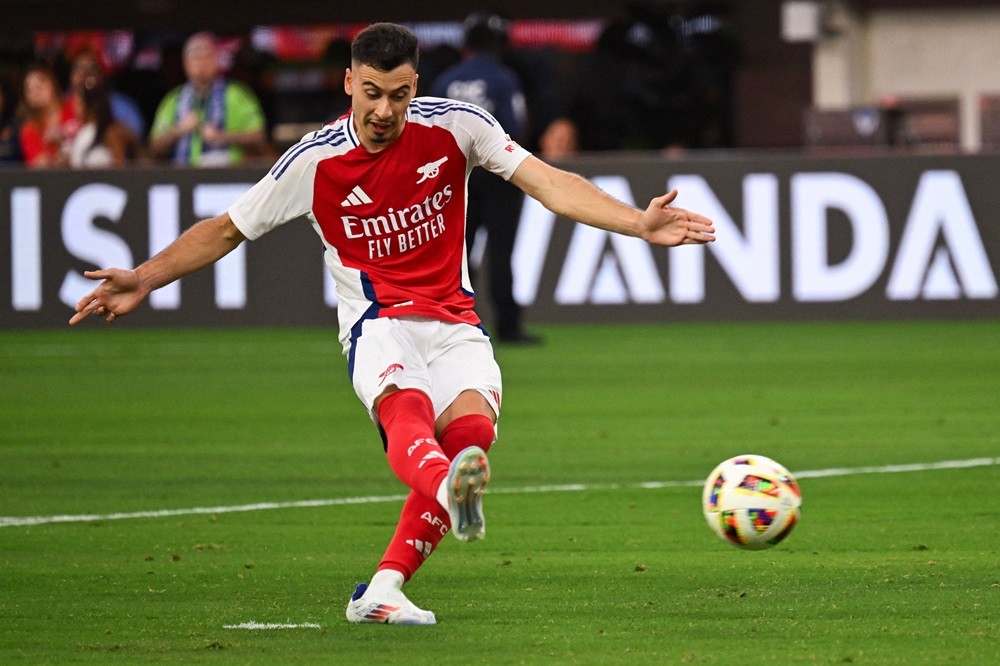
27,521
257,626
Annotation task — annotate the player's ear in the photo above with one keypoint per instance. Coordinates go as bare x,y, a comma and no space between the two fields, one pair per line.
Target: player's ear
413,91
348,79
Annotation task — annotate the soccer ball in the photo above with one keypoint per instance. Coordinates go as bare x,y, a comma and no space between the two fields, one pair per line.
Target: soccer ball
751,501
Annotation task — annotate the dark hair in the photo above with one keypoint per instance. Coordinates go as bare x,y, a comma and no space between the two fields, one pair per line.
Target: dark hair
385,46
96,100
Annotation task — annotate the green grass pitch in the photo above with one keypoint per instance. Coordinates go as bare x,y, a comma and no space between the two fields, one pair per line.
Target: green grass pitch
896,568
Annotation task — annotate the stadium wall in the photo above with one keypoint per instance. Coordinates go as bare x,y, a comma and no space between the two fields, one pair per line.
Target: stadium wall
885,237
950,52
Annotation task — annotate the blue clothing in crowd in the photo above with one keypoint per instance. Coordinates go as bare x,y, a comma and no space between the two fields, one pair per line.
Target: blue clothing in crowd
126,111
484,80
494,204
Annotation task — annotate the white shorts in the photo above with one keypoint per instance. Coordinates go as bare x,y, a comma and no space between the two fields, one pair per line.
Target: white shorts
442,359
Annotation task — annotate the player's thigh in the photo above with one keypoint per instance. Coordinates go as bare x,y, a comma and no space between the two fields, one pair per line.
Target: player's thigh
465,363
389,352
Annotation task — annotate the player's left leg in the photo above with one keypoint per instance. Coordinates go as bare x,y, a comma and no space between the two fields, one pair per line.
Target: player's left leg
467,390
424,522
421,463
382,601
466,420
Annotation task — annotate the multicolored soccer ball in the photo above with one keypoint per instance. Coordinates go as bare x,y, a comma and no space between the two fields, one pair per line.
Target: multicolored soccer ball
751,501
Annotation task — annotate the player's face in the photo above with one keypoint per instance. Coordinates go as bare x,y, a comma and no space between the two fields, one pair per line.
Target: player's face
379,100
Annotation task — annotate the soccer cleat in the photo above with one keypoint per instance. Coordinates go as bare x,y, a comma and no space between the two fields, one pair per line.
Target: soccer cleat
467,478
386,605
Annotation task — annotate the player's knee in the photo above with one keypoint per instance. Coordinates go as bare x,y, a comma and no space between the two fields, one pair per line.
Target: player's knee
404,414
412,403
465,431
479,430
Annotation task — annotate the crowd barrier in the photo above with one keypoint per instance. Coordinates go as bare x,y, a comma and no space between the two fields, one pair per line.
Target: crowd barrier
878,237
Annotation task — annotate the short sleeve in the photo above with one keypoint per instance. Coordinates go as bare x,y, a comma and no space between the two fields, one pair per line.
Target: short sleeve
278,197
493,148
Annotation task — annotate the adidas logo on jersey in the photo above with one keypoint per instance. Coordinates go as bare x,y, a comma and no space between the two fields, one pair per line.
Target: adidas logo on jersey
356,198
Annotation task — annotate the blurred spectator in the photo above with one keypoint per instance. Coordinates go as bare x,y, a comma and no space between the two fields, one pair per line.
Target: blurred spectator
664,82
540,69
481,78
10,141
208,121
436,60
102,141
252,68
87,70
311,93
46,122
336,61
559,140
494,204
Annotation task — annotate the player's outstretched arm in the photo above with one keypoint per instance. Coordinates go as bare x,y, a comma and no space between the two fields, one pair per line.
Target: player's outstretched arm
574,197
122,290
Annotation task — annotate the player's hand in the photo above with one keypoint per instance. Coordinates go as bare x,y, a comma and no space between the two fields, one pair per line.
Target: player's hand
667,225
118,295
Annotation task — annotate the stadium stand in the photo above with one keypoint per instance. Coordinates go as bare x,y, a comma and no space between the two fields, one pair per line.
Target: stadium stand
989,121
928,123
858,127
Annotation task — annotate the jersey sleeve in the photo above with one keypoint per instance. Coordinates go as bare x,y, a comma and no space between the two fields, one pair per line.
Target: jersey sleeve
280,196
492,147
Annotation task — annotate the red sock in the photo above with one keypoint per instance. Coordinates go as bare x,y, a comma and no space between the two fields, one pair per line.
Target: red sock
466,431
407,417
423,522
422,525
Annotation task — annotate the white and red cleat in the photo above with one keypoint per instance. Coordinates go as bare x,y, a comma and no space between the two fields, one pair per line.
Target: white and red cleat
467,478
385,605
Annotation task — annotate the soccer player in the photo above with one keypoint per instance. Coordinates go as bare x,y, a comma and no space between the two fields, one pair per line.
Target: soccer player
385,188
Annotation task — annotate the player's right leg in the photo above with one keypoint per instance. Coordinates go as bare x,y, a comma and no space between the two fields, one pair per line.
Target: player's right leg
467,390
422,524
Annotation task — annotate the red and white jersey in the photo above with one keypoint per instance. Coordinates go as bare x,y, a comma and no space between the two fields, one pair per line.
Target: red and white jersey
392,222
